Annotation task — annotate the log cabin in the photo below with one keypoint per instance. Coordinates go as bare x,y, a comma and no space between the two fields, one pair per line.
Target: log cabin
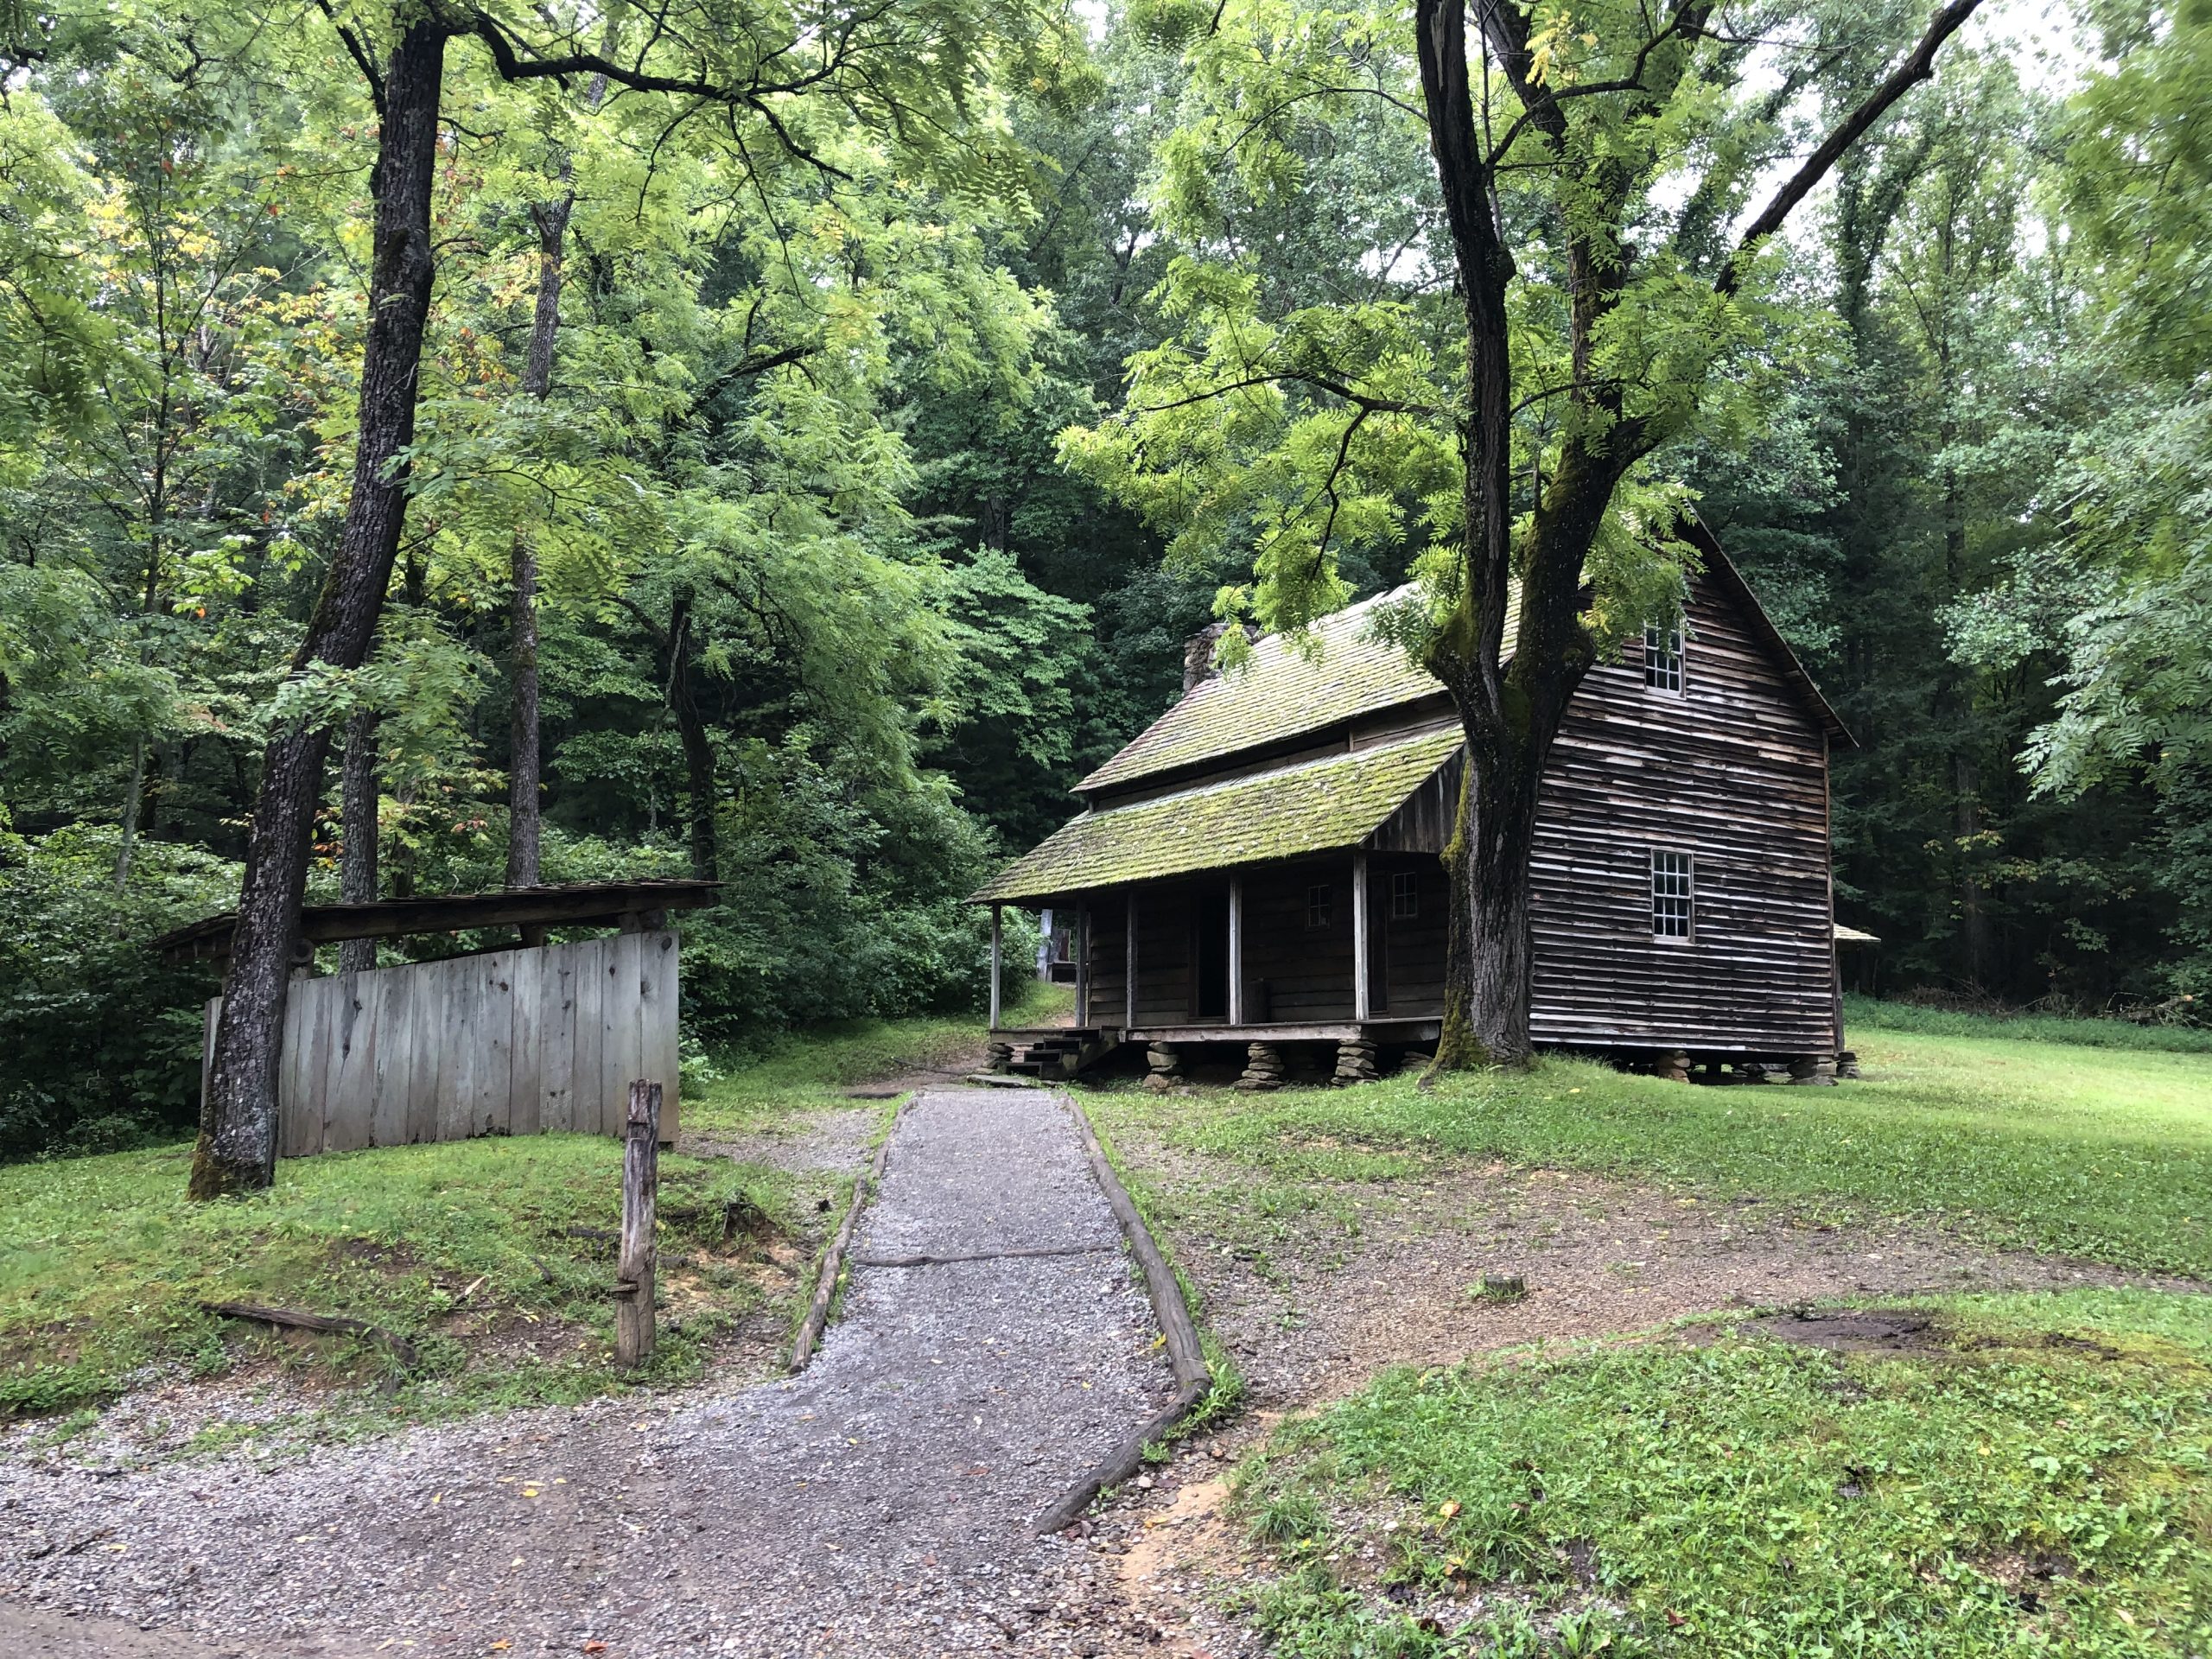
1262,866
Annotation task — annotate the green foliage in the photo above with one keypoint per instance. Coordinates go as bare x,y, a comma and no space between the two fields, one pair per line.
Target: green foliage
2030,1481
100,1042
1309,406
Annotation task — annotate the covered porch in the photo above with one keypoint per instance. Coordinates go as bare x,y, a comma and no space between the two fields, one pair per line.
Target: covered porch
1302,904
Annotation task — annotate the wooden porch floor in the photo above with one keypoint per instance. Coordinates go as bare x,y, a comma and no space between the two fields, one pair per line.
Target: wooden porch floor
1413,1030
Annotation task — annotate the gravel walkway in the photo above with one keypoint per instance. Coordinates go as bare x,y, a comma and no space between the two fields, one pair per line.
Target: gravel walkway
879,1504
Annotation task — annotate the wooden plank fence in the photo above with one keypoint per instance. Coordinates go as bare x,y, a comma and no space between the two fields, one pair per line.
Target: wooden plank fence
537,1041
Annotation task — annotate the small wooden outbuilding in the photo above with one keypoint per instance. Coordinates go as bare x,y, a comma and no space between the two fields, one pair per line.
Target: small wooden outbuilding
525,1041
1261,865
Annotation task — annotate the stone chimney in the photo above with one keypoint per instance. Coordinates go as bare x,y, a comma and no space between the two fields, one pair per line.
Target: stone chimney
1198,653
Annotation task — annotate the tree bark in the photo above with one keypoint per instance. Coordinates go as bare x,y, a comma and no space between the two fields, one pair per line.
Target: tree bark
698,745
132,793
357,817
237,1117
525,766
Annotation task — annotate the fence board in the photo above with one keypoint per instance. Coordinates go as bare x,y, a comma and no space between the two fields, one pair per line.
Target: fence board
385,1011
524,1042
559,1041
525,1085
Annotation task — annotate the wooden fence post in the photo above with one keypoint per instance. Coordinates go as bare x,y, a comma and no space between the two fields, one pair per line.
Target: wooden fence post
633,1288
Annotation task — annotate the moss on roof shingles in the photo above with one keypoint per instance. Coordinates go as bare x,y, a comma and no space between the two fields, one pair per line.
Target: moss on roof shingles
1320,806
1286,687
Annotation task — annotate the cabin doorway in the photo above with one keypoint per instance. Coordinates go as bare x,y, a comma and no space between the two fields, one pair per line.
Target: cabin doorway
1210,958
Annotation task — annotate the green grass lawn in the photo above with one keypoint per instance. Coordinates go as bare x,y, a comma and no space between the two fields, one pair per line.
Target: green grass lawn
2100,1151
2038,1480
493,1257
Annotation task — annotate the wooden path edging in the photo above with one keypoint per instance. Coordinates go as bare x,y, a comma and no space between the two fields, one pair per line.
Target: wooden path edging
833,1261
1193,1381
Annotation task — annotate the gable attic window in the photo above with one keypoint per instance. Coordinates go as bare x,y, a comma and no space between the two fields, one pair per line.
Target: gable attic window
1662,658
1404,895
1317,907
1673,894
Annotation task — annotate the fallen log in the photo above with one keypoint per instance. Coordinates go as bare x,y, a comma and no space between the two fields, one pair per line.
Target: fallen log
322,1324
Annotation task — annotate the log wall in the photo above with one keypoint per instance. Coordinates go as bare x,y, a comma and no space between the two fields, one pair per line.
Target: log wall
1731,770
1295,974
511,1042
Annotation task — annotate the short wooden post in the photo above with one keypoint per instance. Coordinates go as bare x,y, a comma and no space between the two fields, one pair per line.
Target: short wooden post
1362,994
1083,965
1236,950
1130,972
633,1288
994,967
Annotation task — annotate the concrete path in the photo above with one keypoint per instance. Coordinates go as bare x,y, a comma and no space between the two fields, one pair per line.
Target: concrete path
994,1345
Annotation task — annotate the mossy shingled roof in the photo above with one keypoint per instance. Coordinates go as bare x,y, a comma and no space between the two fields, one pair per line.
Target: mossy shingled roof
1319,806
1287,687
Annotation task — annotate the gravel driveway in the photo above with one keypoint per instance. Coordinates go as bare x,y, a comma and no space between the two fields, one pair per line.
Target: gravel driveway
879,1504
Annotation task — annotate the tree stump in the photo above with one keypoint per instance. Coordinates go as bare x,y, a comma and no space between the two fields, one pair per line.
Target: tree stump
633,1272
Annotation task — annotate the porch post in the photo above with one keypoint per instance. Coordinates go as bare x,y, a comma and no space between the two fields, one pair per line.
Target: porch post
994,967
1236,950
1361,996
1083,963
1130,972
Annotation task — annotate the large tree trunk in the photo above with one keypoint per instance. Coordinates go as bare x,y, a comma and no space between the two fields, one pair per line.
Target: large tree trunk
1510,716
525,766
357,822
237,1117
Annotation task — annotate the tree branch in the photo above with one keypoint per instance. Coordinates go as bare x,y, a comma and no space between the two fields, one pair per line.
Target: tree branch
1917,67
359,53
512,66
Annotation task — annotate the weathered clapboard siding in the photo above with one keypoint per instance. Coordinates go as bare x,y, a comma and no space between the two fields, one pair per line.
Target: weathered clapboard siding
1294,972
1166,915
1412,980
1731,771
1108,941
511,1042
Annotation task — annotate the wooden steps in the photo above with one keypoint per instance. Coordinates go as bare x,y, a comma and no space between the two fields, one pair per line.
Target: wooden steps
1060,1056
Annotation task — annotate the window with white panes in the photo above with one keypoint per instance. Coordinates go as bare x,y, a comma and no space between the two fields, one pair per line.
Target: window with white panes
1405,894
1662,658
1317,907
1673,895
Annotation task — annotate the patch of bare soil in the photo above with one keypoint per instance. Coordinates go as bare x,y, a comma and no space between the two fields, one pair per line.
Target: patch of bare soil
1318,1308
829,1139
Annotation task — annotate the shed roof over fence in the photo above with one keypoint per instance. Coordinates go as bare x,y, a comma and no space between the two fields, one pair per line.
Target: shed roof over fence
583,904
1321,806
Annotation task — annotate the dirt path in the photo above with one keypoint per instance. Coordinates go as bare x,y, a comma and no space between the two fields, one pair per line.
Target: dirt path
993,1345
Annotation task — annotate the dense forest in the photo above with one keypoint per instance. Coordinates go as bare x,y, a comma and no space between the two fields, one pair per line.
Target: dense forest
800,492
